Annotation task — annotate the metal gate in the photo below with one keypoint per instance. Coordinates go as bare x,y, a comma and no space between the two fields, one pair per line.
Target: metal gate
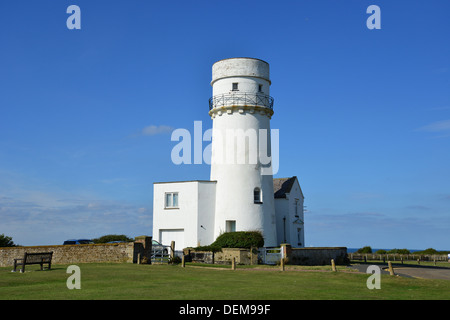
269,255
160,254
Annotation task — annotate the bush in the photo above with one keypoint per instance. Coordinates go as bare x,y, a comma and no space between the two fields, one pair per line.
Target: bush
428,251
381,251
365,249
240,239
112,237
399,251
175,260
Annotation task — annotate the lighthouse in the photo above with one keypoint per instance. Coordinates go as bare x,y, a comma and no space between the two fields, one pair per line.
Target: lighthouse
241,108
241,194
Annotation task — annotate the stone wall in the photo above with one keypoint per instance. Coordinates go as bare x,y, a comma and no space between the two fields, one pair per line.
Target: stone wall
241,256
199,256
295,256
70,254
315,255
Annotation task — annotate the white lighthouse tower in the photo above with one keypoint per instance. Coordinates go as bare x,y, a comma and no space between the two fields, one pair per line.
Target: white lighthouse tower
241,194
241,109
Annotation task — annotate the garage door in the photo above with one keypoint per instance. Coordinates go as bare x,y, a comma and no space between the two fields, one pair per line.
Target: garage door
169,235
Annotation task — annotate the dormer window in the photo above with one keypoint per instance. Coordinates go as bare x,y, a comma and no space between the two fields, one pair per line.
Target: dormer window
235,86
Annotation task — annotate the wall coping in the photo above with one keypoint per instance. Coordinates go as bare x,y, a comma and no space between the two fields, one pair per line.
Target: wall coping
64,245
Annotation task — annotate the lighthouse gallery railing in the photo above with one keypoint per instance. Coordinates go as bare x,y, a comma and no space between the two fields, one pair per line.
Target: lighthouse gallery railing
241,99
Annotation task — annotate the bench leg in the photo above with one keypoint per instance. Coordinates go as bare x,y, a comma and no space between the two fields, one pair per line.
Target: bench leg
16,264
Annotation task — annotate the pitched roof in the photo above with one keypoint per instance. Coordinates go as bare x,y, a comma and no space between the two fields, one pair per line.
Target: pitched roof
281,186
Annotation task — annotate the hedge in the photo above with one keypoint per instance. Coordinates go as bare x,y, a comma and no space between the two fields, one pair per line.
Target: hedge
238,239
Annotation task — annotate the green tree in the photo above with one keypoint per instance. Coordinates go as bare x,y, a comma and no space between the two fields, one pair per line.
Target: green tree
429,251
365,249
6,241
112,237
399,251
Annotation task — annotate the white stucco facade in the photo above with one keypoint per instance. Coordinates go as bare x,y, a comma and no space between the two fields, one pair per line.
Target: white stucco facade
240,193
190,222
289,211
236,82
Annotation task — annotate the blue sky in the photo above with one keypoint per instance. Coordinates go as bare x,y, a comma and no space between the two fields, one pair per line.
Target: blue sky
363,115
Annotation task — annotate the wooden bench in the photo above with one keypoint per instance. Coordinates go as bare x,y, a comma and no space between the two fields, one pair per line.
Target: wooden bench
34,258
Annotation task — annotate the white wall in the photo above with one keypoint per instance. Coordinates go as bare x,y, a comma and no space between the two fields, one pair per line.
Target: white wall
296,193
206,214
195,208
282,211
285,208
236,180
240,67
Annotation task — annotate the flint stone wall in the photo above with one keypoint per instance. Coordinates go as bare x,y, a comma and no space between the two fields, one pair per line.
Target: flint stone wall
82,253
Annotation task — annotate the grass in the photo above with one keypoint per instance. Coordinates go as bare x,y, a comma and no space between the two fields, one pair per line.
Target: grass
109,281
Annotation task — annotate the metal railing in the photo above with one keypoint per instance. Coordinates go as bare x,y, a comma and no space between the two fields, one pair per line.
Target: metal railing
241,99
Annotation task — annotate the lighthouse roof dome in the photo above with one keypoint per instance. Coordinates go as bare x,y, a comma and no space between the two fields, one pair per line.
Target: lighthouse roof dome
240,67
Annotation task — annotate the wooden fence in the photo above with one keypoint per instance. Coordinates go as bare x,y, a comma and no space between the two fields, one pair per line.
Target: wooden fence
397,257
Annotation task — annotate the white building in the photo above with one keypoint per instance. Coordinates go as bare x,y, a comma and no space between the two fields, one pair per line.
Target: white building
289,211
241,194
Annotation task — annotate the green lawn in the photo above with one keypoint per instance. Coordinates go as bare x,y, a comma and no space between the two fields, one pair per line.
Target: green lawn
132,281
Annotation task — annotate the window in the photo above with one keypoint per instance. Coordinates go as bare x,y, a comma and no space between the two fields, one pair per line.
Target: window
230,226
257,196
260,88
171,200
235,86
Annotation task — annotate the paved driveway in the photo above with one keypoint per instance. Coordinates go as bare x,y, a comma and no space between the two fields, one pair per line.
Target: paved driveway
425,272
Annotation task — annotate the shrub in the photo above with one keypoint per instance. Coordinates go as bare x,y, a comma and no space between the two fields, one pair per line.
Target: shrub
112,237
428,251
365,249
381,251
175,260
239,239
399,251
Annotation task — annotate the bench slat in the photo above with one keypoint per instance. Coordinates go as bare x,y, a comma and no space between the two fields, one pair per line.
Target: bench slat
34,258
